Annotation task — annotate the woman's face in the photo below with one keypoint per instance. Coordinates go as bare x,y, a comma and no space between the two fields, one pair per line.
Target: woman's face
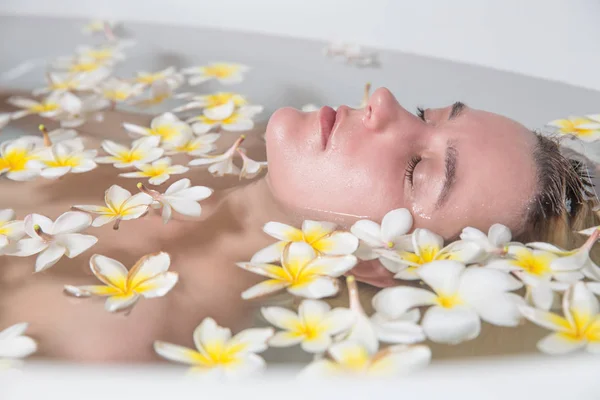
453,168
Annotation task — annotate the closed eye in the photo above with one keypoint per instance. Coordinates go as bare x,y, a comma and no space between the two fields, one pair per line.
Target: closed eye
410,169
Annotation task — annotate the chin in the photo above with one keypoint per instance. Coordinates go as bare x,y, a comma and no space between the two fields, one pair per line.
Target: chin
282,122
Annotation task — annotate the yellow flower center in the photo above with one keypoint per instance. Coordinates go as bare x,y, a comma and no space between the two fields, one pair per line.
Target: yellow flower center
534,264
84,67
571,126
130,156
116,95
100,55
43,108
220,353
166,132
188,147
449,301
152,171
229,120
149,79
220,70
71,161
15,160
219,99
4,230
355,359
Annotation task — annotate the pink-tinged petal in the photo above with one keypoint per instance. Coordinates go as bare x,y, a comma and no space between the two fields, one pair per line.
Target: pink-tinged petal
368,231
76,243
330,266
55,173
400,360
393,302
120,302
280,317
176,353
28,247
70,222
395,224
316,344
32,220
49,257
337,243
109,271
316,288
442,276
158,286
451,325
252,340
557,344
545,319
264,288
283,232
285,339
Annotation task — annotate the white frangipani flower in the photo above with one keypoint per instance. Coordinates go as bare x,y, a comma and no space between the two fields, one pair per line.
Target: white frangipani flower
578,329
461,297
181,196
218,354
312,328
17,159
106,54
55,239
301,272
354,359
10,229
221,164
226,73
53,137
49,107
120,205
167,127
427,247
117,90
143,151
160,92
227,117
322,236
585,129
493,244
64,157
158,172
195,146
250,167
209,100
169,76
149,277
392,233
75,111
78,65
14,344
59,83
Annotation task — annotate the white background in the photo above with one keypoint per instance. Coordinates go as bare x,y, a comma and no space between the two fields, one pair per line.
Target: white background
553,39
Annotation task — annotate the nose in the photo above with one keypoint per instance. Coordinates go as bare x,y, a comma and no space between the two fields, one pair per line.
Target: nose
381,109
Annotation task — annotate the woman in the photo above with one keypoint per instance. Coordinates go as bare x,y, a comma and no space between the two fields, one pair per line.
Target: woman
452,167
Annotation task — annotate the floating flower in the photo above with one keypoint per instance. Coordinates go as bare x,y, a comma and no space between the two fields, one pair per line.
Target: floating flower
221,164
60,83
14,344
226,73
49,107
120,205
585,129
218,354
352,358
312,327
227,117
170,129
78,65
10,229
390,234
16,159
118,91
493,243
55,239
301,272
250,167
158,172
181,196
142,151
75,111
64,157
427,247
52,137
322,236
160,92
195,146
106,54
460,298
169,75
210,100
579,328
149,277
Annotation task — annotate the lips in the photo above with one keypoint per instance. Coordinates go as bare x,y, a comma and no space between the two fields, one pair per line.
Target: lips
327,117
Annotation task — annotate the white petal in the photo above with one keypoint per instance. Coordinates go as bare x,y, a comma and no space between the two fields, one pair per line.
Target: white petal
280,317
297,254
114,149
331,266
178,186
572,262
149,267
120,302
49,257
545,319
32,220
396,301
248,365
398,330
17,347
337,243
158,286
424,239
581,300
263,289
477,283
317,344
109,271
220,113
13,331
76,243
7,215
367,231
175,353
466,252
252,340
285,339
115,196
395,224
401,360
282,231
442,276
313,311
317,288
187,207
103,220
339,320
269,254
55,172
556,344
209,333
136,130
501,310
499,235
70,222
28,247
451,325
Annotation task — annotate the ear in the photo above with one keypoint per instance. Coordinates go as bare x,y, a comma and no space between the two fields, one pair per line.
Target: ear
373,273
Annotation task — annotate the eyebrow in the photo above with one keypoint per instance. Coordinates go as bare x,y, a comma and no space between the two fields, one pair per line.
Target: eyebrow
457,108
450,162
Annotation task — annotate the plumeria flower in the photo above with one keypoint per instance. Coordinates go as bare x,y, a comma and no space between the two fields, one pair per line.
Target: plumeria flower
181,196
585,129
195,146
461,297
218,354
14,344
149,277
75,110
160,92
10,229
390,234
354,359
227,117
17,159
52,137
221,164
322,236
158,172
210,100
169,75
578,329
117,90
427,247
492,244
107,54
167,127
301,272
64,157
49,107
312,328
120,205
52,240
250,167
226,73
143,151
77,65
66,82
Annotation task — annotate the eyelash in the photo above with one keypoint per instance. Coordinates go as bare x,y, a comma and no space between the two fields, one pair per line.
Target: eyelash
421,113
410,168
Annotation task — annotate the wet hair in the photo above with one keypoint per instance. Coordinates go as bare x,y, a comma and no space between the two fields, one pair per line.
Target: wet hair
565,201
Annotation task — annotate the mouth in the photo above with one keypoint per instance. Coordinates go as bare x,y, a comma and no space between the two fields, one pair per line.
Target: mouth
327,117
